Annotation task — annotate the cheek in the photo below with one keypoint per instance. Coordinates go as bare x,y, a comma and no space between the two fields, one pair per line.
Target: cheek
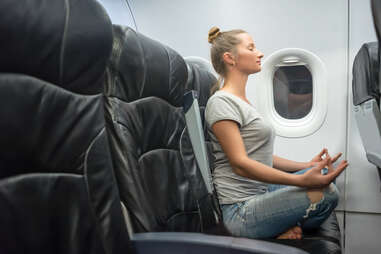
249,60
248,63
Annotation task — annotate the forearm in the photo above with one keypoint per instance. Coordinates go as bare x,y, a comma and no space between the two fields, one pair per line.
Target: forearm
258,171
288,165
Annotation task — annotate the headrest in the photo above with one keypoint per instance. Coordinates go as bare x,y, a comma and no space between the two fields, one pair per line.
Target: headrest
376,12
365,74
141,67
67,43
200,79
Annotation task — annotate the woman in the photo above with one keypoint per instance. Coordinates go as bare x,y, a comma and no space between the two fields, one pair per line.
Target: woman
259,197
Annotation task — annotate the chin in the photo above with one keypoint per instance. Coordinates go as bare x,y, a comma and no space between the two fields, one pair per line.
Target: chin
256,70
253,70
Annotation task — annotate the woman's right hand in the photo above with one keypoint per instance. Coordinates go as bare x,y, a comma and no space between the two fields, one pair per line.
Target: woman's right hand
313,178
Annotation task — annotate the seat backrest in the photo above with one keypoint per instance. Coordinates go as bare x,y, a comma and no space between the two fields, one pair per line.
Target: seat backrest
376,13
365,74
366,93
366,98
158,178
55,42
57,188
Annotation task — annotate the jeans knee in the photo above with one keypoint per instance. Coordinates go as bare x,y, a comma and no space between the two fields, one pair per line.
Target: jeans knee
315,196
316,213
331,194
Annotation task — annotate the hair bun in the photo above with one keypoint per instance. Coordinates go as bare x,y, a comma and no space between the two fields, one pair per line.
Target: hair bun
214,32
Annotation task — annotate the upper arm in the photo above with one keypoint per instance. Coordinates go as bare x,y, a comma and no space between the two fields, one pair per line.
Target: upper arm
229,137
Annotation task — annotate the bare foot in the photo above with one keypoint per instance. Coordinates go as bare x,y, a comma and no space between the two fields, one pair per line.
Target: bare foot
292,233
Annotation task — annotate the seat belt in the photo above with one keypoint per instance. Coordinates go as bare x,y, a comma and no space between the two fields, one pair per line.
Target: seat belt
195,130
210,212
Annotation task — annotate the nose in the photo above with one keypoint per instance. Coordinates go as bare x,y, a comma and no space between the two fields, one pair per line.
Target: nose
260,54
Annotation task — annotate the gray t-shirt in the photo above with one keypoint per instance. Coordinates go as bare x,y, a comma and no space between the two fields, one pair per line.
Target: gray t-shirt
258,137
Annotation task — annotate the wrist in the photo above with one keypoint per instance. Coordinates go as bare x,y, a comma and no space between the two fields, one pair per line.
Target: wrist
297,180
309,164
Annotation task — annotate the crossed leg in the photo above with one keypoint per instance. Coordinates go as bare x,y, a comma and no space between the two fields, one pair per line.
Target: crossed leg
296,232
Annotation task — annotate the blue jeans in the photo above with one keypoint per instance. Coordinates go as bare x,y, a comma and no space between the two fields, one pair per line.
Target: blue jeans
280,208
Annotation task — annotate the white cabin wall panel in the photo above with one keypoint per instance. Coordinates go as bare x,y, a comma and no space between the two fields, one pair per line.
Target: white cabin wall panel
317,26
327,38
362,233
273,24
118,12
363,183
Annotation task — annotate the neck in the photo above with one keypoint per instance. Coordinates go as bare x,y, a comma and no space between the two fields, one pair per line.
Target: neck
235,83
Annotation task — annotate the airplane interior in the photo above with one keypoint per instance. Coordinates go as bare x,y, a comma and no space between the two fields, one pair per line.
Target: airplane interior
104,142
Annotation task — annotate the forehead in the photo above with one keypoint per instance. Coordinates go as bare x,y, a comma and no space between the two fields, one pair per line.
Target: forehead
245,38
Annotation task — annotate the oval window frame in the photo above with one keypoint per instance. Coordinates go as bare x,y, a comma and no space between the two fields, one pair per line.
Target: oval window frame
309,124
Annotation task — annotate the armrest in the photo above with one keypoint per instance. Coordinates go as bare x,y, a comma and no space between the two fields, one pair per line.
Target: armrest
368,119
197,243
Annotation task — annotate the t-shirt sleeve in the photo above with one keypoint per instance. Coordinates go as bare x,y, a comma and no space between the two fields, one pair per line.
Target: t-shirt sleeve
220,108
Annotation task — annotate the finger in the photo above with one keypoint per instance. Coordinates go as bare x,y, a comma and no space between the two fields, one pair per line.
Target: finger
335,173
337,156
324,151
330,161
329,164
321,164
343,162
332,174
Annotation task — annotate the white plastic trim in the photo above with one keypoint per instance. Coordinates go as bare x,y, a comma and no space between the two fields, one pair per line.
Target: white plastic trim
294,128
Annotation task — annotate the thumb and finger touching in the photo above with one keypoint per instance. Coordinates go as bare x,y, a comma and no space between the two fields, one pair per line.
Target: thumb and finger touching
332,174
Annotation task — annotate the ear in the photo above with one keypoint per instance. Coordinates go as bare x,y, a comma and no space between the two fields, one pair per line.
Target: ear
228,58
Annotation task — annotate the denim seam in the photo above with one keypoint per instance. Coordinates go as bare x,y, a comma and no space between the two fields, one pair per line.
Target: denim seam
241,208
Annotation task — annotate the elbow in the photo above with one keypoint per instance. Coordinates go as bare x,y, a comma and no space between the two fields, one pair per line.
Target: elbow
240,172
238,166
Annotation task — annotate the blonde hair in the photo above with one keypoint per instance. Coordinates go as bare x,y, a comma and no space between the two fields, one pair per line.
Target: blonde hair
222,42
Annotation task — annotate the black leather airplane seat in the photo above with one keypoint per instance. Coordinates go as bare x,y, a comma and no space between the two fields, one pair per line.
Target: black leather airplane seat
93,147
149,143
57,188
365,74
65,200
376,15
366,92
366,100
45,39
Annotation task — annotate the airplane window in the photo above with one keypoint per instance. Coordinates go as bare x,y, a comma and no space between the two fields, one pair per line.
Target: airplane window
292,91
